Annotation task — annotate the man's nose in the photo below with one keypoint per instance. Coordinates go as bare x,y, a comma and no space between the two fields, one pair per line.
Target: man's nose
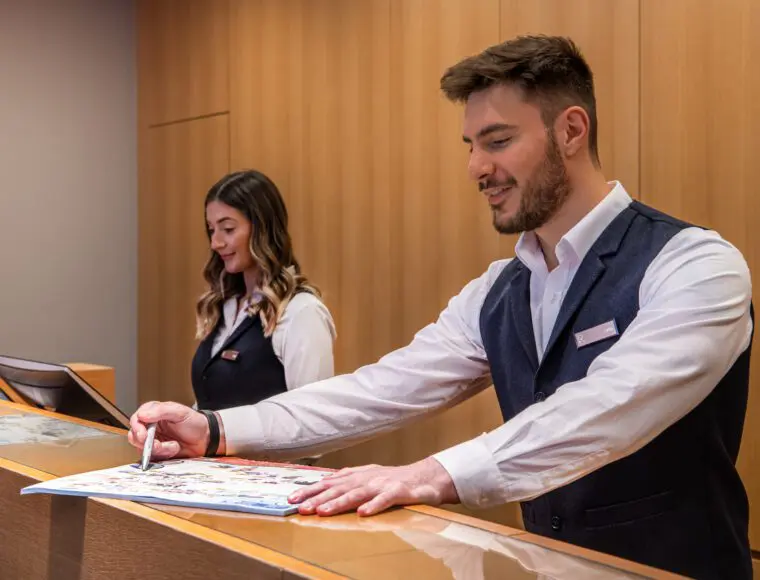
479,167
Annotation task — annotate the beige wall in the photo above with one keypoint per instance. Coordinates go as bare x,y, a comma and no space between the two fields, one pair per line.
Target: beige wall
68,175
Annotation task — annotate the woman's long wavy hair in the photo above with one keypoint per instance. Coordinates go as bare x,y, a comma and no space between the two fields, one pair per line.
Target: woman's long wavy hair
254,195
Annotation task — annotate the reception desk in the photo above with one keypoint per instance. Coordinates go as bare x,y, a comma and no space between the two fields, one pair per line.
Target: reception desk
67,538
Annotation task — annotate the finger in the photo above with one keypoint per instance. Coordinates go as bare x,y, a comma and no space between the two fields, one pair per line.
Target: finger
131,438
137,430
314,505
308,491
164,449
170,412
346,502
380,503
311,505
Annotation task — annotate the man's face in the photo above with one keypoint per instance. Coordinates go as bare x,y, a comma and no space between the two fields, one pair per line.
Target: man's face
514,159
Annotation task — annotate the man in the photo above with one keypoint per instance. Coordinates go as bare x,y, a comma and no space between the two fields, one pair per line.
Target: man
618,342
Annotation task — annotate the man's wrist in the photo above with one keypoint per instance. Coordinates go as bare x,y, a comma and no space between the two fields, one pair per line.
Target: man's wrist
212,433
222,448
441,480
474,473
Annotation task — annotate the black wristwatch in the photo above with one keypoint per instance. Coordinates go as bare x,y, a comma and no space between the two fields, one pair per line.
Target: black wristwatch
213,431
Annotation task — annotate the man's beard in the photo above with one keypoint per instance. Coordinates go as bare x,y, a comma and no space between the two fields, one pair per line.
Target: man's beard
542,196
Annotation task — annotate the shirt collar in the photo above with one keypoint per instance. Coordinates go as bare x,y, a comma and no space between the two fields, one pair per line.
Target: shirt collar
581,236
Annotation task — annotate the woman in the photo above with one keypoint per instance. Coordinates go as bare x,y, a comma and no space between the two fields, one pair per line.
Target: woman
262,325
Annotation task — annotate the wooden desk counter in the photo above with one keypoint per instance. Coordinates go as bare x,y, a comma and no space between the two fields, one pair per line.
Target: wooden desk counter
67,538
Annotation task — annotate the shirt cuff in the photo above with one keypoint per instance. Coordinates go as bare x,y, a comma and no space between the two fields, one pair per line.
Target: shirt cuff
242,430
475,473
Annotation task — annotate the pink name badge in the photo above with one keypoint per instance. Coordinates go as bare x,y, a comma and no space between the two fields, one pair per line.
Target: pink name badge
596,333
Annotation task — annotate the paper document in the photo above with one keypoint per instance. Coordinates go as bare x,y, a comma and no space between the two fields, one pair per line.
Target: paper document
224,484
32,428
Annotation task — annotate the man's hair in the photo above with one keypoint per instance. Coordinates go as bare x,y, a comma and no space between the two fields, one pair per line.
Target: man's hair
550,71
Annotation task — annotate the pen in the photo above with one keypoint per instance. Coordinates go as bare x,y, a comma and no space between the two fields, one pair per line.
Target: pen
148,447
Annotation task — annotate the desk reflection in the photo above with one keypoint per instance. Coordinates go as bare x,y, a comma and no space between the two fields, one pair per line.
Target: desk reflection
465,552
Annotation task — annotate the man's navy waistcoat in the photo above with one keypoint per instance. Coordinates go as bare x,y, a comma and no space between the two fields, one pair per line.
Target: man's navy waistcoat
677,503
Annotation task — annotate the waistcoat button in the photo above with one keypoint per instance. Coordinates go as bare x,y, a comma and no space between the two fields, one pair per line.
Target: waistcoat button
556,522
539,396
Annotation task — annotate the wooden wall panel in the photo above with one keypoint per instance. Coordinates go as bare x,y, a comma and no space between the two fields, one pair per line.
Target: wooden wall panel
608,35
445,224
183,59
179,164
700,137
312,111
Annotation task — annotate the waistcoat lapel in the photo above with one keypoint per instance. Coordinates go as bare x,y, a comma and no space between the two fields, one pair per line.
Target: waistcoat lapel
520,313
589,272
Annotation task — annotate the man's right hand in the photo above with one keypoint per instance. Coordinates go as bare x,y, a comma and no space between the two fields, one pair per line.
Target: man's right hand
180,431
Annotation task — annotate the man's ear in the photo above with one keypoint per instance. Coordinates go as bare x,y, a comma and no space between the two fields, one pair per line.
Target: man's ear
571,129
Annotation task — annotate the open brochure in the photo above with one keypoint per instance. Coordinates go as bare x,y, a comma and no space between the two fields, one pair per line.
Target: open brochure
222,483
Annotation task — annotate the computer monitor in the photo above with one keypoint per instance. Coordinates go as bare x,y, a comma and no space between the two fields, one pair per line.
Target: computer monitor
57,388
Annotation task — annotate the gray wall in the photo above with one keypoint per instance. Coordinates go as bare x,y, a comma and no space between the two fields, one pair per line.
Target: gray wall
68,184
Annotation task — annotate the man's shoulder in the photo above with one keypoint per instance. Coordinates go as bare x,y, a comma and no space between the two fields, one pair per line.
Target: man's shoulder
657,215
689,237
496,269
476,289
697,242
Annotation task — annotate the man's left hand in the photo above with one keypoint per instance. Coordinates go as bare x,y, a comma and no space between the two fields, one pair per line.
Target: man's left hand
372,488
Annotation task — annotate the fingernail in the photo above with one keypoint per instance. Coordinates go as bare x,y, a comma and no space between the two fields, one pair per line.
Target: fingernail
308,505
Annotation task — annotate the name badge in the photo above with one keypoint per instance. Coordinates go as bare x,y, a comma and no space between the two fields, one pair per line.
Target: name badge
596,333
230,354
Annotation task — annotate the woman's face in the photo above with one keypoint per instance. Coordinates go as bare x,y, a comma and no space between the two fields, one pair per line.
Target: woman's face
230,233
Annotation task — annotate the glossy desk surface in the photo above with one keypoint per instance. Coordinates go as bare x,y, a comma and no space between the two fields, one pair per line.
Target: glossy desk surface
417,542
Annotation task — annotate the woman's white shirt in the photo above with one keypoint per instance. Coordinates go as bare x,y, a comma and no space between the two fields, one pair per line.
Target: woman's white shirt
302,340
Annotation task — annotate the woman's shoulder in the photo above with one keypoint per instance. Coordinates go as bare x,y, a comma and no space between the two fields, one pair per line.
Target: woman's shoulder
305,301
307,308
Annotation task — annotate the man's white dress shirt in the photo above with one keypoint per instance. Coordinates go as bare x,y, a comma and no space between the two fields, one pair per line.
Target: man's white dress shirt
692,325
